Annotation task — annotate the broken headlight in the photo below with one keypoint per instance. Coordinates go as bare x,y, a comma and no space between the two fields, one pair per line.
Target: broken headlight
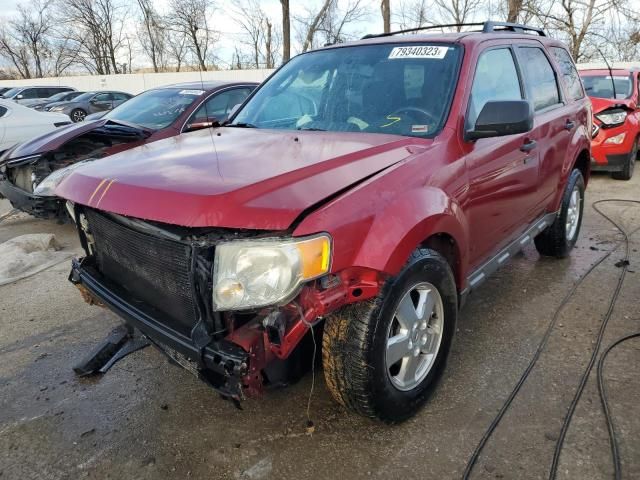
612,117
257,273
47,187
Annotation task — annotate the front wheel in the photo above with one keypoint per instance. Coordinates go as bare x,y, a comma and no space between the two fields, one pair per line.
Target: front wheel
382,357
559,238
78,115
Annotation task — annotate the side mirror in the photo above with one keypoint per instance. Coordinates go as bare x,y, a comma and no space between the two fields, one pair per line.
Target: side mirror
502,117
19,96
200,124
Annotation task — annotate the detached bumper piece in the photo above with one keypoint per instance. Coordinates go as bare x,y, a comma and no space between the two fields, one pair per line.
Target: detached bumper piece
221,364
41,207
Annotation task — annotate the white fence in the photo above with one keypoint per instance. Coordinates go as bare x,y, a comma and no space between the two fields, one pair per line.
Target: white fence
138,82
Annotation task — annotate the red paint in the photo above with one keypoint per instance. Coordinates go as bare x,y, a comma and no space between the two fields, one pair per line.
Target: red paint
394,192
631,125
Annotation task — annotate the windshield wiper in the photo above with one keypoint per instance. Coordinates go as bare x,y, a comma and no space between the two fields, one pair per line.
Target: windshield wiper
311,129
241,125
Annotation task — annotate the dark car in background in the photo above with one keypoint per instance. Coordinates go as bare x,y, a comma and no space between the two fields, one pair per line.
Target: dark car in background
30,171
91,102
615,96
46,104
32,94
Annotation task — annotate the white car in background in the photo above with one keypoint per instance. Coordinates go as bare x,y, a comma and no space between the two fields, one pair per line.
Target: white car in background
19,123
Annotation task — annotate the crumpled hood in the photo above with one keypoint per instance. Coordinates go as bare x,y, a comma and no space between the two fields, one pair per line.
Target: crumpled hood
53,139
600,104
233,177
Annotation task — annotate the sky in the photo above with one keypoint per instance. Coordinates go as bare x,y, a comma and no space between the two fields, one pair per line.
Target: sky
223,21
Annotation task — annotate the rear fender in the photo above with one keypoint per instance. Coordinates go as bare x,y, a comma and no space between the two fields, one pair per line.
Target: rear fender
580,145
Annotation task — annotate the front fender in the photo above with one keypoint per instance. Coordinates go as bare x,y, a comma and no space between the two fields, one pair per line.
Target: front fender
394,226
405,223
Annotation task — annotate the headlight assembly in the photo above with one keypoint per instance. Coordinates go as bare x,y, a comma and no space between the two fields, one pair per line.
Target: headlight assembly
47,187
612,117
257,273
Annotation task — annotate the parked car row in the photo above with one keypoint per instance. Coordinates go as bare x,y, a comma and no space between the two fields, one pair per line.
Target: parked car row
365,189
31,169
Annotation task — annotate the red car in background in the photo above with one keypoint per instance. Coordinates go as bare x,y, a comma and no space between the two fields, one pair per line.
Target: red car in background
29,171
616,122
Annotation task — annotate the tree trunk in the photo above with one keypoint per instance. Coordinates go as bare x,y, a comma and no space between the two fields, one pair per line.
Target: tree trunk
269,59
308,41
514,7
286,31
385,9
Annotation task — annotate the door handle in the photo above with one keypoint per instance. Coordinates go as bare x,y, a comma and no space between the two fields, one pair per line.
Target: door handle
528,146
569,124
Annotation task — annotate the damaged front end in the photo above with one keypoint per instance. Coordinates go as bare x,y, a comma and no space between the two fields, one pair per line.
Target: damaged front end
28,181
171,284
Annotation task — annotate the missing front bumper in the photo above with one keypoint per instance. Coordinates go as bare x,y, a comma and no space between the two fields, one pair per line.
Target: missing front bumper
221,364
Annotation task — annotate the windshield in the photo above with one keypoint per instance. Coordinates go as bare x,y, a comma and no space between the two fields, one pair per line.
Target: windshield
10,93
601,86
402,89
155,109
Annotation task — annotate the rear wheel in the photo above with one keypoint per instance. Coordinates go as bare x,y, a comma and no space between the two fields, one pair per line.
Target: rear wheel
627,171
558,239
382,357
78,115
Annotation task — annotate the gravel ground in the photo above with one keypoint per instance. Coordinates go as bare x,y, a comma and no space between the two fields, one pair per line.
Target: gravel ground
146,419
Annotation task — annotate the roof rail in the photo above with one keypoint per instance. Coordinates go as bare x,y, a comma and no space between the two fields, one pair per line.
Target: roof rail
490,27
487,27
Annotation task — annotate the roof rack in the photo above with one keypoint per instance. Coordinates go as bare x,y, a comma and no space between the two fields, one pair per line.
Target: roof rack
487,27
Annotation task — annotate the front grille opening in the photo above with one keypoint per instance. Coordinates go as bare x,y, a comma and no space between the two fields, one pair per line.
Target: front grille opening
155,271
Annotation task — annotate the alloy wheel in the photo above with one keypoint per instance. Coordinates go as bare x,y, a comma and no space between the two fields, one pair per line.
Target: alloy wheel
573,213
414,336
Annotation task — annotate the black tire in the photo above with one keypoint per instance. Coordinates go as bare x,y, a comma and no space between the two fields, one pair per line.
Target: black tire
77,115
355,341
629,167
553,241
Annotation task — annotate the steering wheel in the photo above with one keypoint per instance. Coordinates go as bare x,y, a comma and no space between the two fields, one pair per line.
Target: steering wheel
428,116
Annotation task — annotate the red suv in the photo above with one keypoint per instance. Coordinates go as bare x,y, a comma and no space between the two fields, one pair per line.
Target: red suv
616,124
364,189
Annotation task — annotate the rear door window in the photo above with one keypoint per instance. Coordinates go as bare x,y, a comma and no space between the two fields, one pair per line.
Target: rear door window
539,78
569,73
496,78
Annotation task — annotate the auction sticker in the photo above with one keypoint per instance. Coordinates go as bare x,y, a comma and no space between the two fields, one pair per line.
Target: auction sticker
191,92
419,51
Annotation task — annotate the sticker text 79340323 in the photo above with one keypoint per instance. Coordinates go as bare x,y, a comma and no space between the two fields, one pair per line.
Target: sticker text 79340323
419,51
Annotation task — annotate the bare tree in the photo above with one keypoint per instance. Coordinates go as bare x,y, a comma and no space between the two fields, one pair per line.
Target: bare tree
457,11
190,17
579,20
153,35
312,22
95,29
286,30
177,49
412,14
385,9
331,24
258,34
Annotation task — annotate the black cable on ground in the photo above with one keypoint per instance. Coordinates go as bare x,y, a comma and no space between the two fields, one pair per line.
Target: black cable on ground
594,354
543,342
613,440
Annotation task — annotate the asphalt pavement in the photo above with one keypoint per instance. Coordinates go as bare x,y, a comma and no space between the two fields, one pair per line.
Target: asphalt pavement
147,419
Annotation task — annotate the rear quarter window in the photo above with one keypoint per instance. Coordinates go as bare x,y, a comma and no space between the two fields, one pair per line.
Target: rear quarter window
569,73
